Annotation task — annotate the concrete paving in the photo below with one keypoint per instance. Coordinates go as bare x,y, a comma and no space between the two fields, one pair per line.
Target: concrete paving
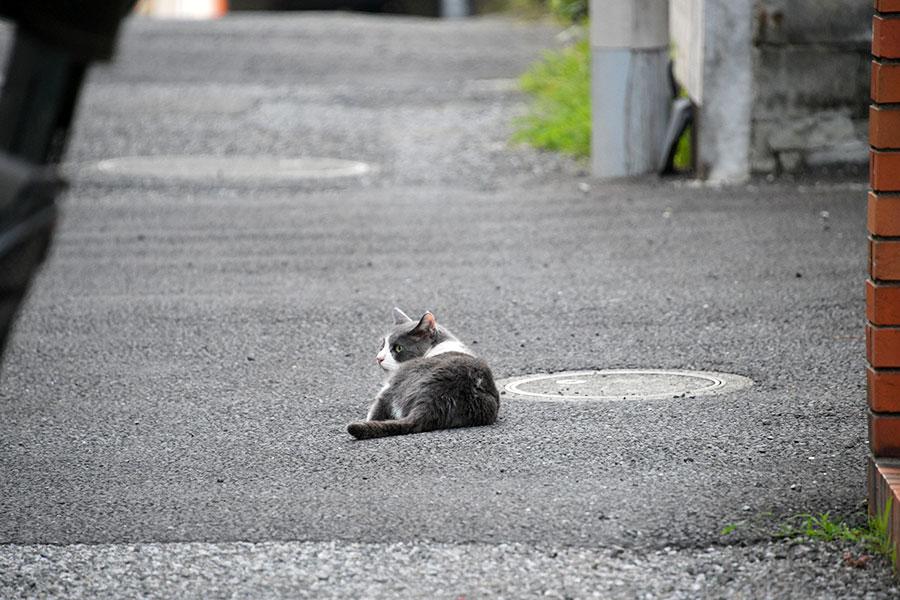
174,399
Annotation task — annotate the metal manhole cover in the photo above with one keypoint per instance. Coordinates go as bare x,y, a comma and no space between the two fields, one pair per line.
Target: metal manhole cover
623,384
230,168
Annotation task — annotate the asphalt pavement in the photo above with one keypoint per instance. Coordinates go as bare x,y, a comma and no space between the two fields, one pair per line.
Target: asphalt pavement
174,398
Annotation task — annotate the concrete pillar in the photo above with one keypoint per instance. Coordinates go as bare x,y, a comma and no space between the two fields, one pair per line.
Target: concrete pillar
455,9
629,85
723,116
713,62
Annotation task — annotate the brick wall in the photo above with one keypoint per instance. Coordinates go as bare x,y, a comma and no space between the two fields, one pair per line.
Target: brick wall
883,285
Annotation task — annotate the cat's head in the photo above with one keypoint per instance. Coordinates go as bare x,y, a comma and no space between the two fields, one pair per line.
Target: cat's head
409,339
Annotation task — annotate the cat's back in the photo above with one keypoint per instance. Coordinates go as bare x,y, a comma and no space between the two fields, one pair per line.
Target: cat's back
453,389
451,367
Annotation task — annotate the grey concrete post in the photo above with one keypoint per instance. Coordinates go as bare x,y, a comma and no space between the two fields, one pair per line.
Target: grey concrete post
712,40
723,117
629,85
455,9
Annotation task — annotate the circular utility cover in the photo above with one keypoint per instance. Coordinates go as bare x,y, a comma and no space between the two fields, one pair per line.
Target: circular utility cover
230,168
622,384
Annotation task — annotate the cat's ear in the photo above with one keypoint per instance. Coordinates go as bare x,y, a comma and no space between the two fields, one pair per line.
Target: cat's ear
424,327
400,317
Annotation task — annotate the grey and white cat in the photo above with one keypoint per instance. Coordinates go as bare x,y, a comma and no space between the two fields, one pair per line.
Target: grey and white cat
433,381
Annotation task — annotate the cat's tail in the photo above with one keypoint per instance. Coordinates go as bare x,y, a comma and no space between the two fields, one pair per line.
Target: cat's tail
367,430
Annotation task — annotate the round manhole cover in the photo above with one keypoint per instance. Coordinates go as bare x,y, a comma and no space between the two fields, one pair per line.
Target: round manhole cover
623,384
230,168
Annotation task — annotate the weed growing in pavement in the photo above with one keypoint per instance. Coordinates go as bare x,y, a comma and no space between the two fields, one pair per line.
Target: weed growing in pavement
821,528
874,535
878,536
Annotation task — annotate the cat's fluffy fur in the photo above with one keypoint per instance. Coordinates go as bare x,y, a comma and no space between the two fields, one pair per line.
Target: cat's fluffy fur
433,381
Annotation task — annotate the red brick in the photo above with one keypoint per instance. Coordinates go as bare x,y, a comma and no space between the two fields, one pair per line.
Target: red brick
884,171
887,5
885,37
883,346
884,127
883,214
882,303
883,390
885,85
884,259
884,434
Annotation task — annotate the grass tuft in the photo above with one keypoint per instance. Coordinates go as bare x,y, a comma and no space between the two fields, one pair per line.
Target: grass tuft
821,528
559,118
874,535
877,536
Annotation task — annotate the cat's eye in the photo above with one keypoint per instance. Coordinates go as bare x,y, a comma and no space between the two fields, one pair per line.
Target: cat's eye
398,349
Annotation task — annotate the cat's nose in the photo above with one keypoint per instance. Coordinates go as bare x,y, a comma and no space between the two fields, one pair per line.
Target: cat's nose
379,358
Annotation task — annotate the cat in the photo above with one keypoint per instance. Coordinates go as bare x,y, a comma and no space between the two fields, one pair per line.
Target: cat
433,381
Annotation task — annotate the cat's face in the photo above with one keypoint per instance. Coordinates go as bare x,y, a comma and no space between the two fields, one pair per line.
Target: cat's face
407,340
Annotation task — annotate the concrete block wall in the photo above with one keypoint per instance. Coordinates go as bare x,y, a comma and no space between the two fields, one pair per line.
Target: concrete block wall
779,85
810,74
883,284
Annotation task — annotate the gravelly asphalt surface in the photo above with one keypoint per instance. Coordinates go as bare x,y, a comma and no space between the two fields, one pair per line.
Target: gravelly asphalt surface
173,402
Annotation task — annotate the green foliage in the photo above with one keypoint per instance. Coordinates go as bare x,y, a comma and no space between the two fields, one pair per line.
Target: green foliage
819,528
569,11
874,535
682,159
560,115
877,536
730,528
566,12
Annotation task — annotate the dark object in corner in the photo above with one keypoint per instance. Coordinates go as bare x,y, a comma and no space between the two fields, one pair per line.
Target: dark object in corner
55,40
681,116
